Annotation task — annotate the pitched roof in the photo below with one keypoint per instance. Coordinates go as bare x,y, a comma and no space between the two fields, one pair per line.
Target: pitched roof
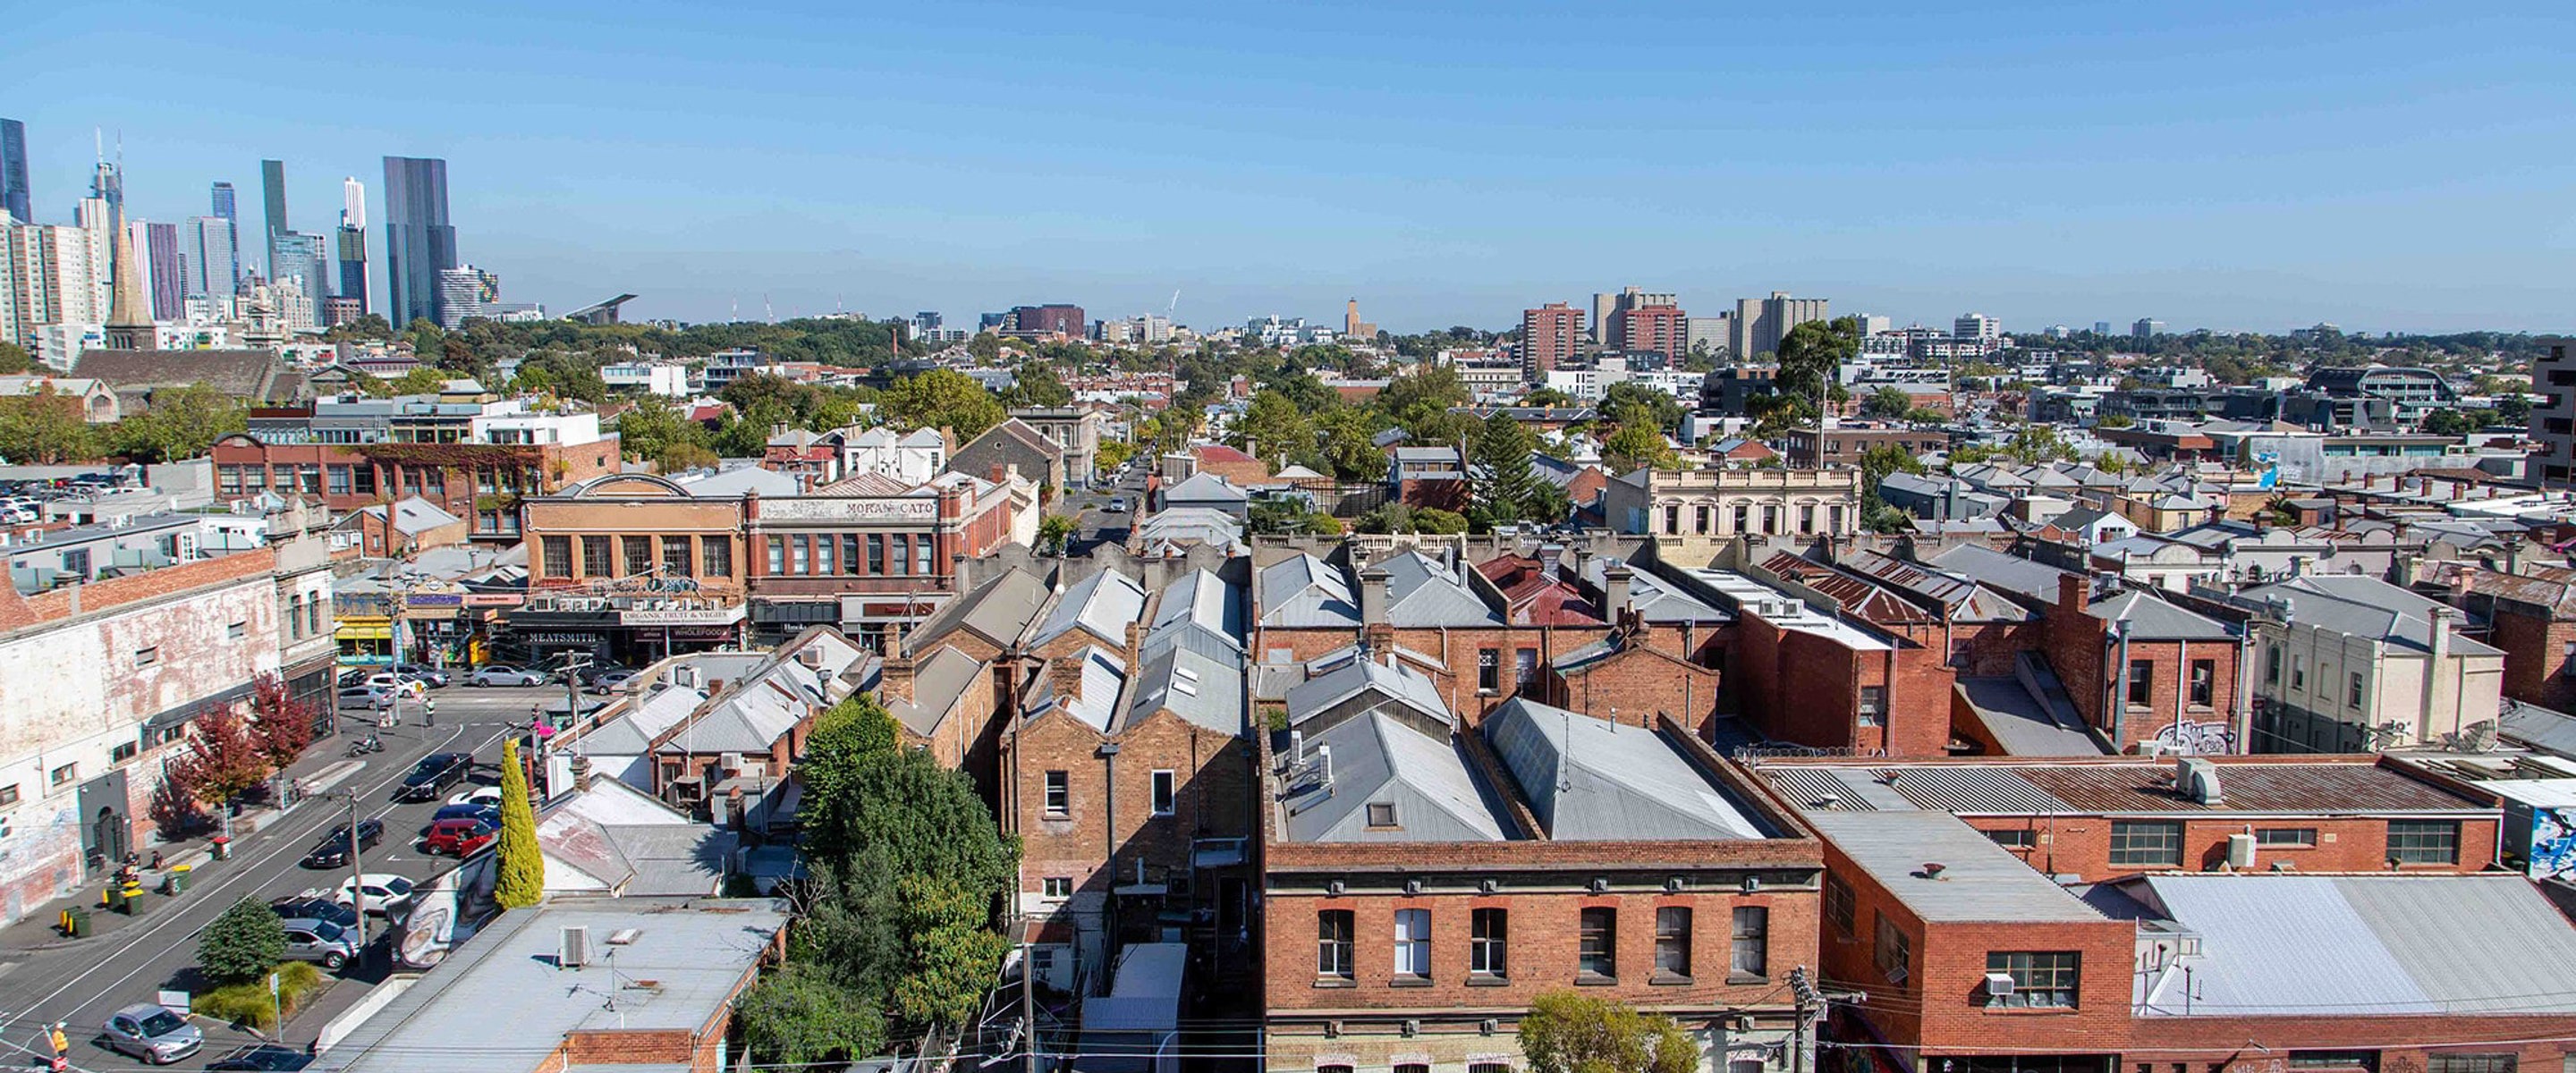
1205,487
1654,599
1592,779
937,681
1020,432
1979,880
256,375
1394,684
2010,573
1205,691
2363,607
1304,591
1536,596
997,611
1102,605
1422,592
2150,617
2022,723
1376,759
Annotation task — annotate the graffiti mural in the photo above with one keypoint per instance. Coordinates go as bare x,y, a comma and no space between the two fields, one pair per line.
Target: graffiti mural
2553,842
2197,739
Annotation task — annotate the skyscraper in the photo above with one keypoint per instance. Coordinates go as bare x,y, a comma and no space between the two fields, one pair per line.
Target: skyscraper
302,258
1550,335
272,196
107,183
353,242
463,293
165,270
420,244
214,268
1760,322
13,171
225,211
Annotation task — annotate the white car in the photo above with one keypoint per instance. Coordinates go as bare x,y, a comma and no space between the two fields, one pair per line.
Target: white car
501,674
411,688
384,891
478,795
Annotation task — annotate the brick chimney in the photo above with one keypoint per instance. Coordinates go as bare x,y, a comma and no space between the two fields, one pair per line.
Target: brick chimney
995,473
1614,590
580,773
2071,592
894,680
1066,677
1135,646
1373,596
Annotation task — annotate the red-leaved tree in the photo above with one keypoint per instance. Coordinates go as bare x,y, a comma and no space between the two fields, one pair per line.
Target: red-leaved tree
284,724
224,757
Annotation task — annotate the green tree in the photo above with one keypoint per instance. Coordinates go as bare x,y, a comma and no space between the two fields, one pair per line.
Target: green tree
1570,1032
941,398
522,881
419,380
1053,531
984,346
1113,454
242,944
1636,447
1273,429
1438,521
1629,403
1888,403
1506,489
653,425
1812,353
14,360
800,1015
1875,465
45,428
427,341
2513,409
183,423
2449,422
952,953
365,327
913,811
1036,384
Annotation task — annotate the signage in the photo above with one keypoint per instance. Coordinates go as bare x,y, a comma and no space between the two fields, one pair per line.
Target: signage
696,616
434,599
850,508
570,640
494,599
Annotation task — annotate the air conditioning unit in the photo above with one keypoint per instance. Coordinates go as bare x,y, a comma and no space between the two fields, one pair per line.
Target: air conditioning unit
1490,1026
2240,852
1999,986
572,947
731,761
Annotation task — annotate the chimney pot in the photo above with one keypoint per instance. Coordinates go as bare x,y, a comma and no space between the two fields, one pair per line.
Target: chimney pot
894,680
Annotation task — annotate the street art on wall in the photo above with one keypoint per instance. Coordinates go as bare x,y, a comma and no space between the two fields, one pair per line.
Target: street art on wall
2553,843
2197,739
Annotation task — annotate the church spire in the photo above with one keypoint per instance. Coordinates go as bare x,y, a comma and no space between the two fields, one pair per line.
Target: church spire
129,318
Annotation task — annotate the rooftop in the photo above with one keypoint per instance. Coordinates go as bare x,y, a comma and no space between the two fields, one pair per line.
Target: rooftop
1978,880
2108,786
1592,779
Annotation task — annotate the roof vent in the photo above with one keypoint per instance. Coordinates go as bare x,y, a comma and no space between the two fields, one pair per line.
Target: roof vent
624,936
1933,869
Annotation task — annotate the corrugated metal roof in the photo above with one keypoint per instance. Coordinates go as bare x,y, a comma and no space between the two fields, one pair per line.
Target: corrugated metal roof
2151,618
1202,597
2020,722
1101,605
1396,684
937,682
1811,787
2266,787
2539,727
1653,598
1302,591
1204,691
998,610
2363,607
1205,487
1378,759
1592,779
1971,789
1979,881
1422,593
2284,944
2009,573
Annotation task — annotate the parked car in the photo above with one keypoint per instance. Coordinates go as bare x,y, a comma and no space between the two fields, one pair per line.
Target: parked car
385,892
613,679
1117,505
311,905
502,674
410,687
153,1033
262,1058
435,677
333,850
319,941
364,698
434,775
477,795
599,674
472,810
459,837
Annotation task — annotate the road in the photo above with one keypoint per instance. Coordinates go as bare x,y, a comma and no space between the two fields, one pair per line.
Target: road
45,978
1095,523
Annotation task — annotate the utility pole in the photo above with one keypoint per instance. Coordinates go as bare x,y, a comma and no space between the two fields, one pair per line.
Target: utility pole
357,873
1028,1001
1810,1006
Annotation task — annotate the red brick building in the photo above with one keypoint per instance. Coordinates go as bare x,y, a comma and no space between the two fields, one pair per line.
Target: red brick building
1803,677
2141,669
1551,335
2531,615
1664,330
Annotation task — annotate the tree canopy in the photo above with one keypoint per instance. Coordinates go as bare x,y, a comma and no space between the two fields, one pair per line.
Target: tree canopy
940,398
1570,1032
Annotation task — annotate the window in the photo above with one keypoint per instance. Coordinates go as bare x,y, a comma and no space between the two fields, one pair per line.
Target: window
556,556
826,557
2272,664
1489,942
1806,518
145,657
1672,518
594,557
1873,705
1841,905
2285,836
1411,1067
1673,942
237,630
2469,1063
295,616
2298,672
2334,1060
2424,841
1163,793
1489,670
2044,979
2204,682
777,556
1382,814
1525,671
9,796
1700,516
1598,948
1333,943
2020,838
364,480
903,555
122,752
876,553
1743,517
2146,843
2142,683
1057,886
313,614
1059,793
716,555
339,480
1771,519
2567,666
1893,953
1752,953
850,553
800,555
675,556
65,775
1413,942
2352,692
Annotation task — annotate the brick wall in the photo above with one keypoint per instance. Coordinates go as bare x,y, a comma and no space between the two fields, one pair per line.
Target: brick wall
1805,687
2536,667
1639,682
1211,797
2081,845
2087,658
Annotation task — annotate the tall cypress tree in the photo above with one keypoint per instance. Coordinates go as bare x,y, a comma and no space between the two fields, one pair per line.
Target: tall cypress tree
522,881
1506,488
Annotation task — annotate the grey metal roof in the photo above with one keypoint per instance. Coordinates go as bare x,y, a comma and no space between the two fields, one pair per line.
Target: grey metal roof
1811,787
1653,598
1204,487
2151,618
1378,759
1592,779
998,611
504,984
1424,593
1202,597
2363,607
2007,572
1205,691
1302,591
1394,683
1095,702
1182,526
631,733
937,681
1979,881
2540,728
1102,605
2390,944
2020,722
1939,788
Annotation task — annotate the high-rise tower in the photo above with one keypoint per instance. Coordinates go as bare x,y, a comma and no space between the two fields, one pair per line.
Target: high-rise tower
352,247
13,171
272,197
419,242
225,210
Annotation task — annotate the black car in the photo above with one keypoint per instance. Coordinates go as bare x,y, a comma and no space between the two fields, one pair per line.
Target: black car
333,850
261,1057
293,907
433,775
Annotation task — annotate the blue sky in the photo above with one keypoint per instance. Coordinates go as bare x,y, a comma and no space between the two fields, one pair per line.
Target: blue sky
2401,166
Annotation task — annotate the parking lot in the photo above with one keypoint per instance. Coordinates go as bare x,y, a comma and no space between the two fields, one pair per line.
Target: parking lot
45,977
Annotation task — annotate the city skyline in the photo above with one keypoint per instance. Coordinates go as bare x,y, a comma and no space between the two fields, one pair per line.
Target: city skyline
2199,169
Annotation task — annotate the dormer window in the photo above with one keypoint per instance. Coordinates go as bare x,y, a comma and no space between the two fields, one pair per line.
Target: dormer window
1381,814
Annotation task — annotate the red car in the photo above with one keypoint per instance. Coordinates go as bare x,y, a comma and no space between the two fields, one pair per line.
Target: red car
460,837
